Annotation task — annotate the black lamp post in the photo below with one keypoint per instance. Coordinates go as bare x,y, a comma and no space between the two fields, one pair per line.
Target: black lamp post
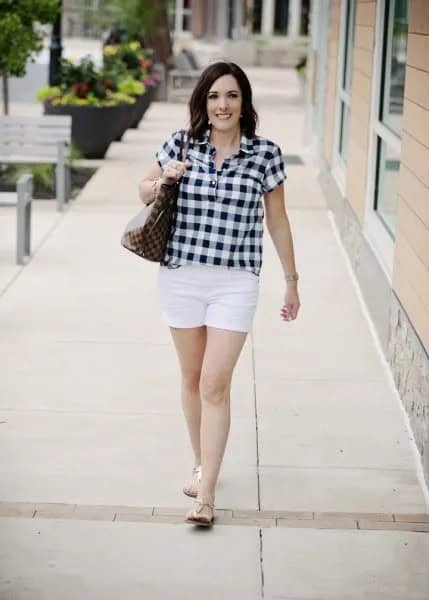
56,49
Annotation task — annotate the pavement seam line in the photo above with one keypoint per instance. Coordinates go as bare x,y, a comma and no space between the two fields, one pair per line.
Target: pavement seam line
255,518
256,419
258,483
261,558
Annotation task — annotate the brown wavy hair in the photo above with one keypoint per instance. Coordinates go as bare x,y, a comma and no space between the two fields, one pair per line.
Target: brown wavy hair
198,100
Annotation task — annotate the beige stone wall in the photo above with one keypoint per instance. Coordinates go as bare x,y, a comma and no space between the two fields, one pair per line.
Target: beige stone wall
411,261
357,153
407,304
198,18
331,83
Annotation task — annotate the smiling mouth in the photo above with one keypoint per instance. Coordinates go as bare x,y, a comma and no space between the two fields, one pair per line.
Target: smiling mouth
223,116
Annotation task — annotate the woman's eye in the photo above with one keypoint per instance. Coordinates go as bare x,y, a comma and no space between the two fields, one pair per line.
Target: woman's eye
214,96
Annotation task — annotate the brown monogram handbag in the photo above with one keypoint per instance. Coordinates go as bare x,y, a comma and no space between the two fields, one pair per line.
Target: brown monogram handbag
147,233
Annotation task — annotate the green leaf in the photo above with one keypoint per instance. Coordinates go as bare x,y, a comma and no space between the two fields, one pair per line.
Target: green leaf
19,37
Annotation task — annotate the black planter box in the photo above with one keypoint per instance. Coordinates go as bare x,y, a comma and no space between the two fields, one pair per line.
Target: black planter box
94,127
126,117
151,90
140,107
142,104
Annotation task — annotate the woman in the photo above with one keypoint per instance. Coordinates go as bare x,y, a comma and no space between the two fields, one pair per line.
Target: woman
208,281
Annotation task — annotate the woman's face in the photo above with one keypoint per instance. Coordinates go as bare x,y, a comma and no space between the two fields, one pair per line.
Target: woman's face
224,103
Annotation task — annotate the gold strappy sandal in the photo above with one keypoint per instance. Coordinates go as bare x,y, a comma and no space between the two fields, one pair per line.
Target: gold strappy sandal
192,488
195,517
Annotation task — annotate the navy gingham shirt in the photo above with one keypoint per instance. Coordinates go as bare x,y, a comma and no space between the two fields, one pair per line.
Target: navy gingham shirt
219,216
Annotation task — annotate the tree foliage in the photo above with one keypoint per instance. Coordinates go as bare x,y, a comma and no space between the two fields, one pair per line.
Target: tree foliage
144,20
135,15
20,37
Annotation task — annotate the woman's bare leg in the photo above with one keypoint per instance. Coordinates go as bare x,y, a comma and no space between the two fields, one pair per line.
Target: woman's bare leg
223,348
190,345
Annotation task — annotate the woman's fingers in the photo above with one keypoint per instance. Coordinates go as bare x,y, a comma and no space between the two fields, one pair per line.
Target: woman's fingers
174,170
288,312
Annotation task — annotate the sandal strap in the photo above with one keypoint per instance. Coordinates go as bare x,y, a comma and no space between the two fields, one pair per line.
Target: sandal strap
199,510
202,504
197,472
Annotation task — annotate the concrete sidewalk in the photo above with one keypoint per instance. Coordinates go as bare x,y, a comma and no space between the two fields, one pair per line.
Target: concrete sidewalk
320,495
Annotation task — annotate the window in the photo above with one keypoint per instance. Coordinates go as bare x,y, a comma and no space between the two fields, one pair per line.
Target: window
281,17
388,126
345,81
182,15
187,16
256,16
305,17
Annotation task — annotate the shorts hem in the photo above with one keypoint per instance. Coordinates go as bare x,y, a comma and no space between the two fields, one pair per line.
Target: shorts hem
228,327
181,326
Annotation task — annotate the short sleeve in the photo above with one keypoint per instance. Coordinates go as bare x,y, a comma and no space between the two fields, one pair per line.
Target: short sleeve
170,149
274,171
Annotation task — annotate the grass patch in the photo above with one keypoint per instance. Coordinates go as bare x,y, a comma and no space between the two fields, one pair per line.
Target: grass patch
43,179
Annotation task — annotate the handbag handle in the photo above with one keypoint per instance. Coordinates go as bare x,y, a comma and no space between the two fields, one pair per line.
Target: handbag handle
183,149
181,153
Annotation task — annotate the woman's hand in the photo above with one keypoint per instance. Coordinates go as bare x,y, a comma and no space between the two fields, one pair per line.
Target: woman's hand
291,305
173,171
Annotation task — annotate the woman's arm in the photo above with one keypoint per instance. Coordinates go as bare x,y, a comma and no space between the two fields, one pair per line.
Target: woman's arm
148,183
155,176
279,229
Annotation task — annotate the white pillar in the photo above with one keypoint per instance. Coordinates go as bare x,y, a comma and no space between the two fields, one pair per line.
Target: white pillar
294,24
237,19
268,8
222,16
210,20
178,17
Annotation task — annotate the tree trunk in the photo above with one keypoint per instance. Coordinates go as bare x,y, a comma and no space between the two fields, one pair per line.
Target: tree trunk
158,36
5,93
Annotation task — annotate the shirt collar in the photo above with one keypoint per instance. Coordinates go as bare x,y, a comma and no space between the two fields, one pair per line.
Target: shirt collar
246,144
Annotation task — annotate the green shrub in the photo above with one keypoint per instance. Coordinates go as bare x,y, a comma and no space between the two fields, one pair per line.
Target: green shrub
43,175
128,59
301,66
48,93
131,86
111,99
120,98
75,153
81,84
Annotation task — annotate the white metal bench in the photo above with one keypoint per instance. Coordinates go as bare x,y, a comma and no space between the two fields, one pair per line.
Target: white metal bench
22,200
183,77
39,140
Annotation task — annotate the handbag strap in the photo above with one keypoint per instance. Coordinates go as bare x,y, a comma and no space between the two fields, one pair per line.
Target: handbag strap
181,156
183,147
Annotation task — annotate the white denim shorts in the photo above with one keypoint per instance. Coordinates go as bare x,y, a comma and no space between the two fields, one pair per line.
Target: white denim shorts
194,295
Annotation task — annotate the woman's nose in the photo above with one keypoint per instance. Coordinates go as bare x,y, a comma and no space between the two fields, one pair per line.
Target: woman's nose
223,103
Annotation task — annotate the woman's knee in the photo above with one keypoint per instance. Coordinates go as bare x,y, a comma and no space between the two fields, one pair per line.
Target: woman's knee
191,381
214,388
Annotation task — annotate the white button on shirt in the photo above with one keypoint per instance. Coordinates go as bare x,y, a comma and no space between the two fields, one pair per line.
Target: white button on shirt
220,221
